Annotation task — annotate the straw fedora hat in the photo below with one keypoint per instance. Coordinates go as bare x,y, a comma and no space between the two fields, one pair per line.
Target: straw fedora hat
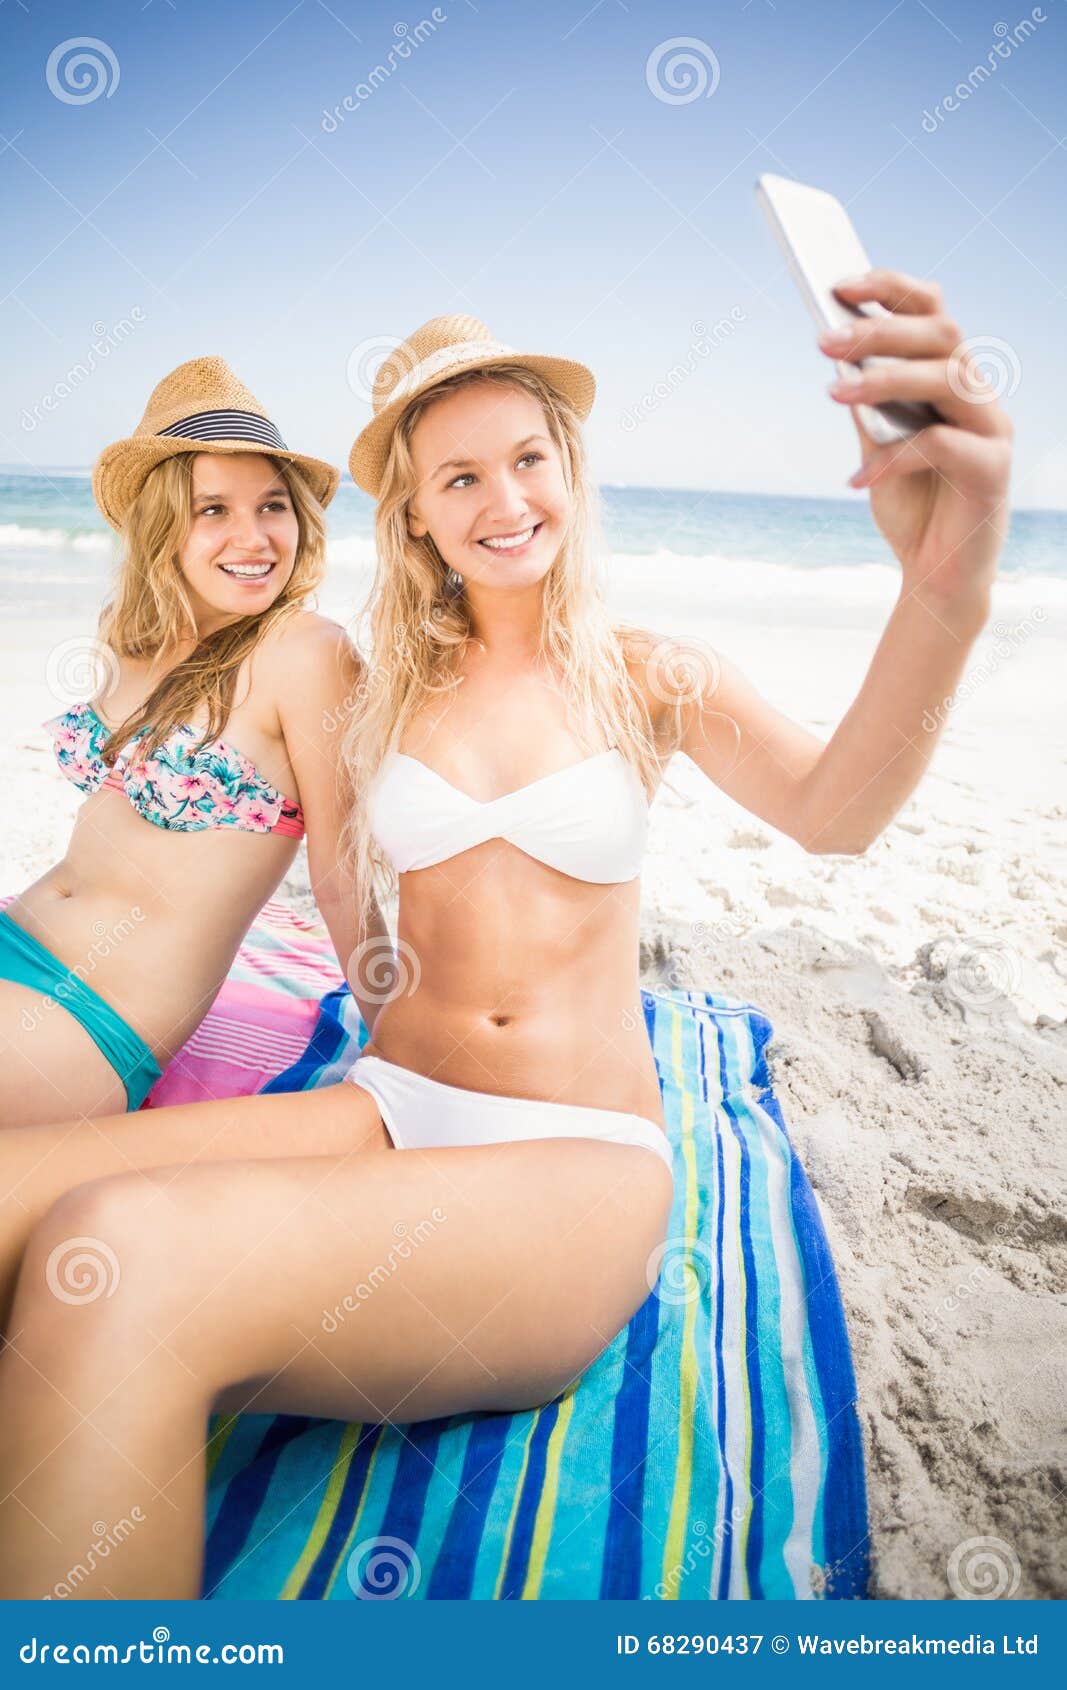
441,348
202,407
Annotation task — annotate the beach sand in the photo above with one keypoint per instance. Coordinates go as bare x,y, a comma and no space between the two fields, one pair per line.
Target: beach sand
918,995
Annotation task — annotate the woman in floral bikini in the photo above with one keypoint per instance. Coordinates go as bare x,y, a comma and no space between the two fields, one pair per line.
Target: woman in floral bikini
179,786
206,755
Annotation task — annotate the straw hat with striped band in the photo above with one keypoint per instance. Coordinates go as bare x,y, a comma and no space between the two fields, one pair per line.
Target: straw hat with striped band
202,407
441,348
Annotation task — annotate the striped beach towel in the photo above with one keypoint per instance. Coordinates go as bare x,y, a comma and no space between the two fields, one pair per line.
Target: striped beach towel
712,1451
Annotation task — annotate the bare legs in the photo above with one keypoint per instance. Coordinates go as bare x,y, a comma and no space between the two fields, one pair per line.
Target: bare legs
382,1285
39,1164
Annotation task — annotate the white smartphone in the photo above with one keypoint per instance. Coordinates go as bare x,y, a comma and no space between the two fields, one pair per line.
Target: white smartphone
821,247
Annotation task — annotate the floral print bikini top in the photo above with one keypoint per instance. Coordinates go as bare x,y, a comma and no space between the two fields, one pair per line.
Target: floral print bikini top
178,787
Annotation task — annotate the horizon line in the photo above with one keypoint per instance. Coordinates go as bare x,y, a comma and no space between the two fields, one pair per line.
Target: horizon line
43,472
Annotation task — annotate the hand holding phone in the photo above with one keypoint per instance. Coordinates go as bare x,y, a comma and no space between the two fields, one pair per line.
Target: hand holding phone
821,248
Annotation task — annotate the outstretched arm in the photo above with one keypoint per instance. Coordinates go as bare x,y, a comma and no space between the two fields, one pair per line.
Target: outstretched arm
941,501
837,796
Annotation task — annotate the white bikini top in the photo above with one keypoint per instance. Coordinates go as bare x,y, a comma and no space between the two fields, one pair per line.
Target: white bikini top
588,820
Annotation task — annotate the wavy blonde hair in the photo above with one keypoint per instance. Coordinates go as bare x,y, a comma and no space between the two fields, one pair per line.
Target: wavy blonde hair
420,622
149,613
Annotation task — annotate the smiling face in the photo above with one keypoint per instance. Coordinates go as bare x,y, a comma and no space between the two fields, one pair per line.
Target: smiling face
240,549
491,491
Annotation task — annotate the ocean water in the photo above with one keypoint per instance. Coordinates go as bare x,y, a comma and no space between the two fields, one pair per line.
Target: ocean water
57,552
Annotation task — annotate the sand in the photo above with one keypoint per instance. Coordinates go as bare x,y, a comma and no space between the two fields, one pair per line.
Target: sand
918,995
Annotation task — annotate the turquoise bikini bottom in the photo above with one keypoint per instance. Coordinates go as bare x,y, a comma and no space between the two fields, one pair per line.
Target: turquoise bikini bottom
26,963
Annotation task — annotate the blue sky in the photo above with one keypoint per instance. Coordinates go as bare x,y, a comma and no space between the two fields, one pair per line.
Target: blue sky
517,165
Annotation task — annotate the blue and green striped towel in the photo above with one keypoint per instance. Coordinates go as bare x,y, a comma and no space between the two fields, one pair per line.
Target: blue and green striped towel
712,1451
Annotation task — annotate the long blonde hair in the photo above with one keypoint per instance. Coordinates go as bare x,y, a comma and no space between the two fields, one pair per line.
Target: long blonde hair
149,613
420,622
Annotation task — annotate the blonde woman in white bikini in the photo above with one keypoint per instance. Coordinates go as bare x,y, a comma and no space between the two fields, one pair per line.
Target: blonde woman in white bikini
205,754
507,1064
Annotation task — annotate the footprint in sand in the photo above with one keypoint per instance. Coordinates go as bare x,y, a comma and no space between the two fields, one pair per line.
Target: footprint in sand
743,839
888,1043
971,874
940,918
784,897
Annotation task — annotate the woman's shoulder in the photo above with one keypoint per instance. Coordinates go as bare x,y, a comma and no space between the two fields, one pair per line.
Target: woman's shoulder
652,662
306,641
643,643
671,672
636,644
303,666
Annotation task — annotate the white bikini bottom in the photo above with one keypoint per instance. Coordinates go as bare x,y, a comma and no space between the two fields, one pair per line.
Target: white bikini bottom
420,1113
